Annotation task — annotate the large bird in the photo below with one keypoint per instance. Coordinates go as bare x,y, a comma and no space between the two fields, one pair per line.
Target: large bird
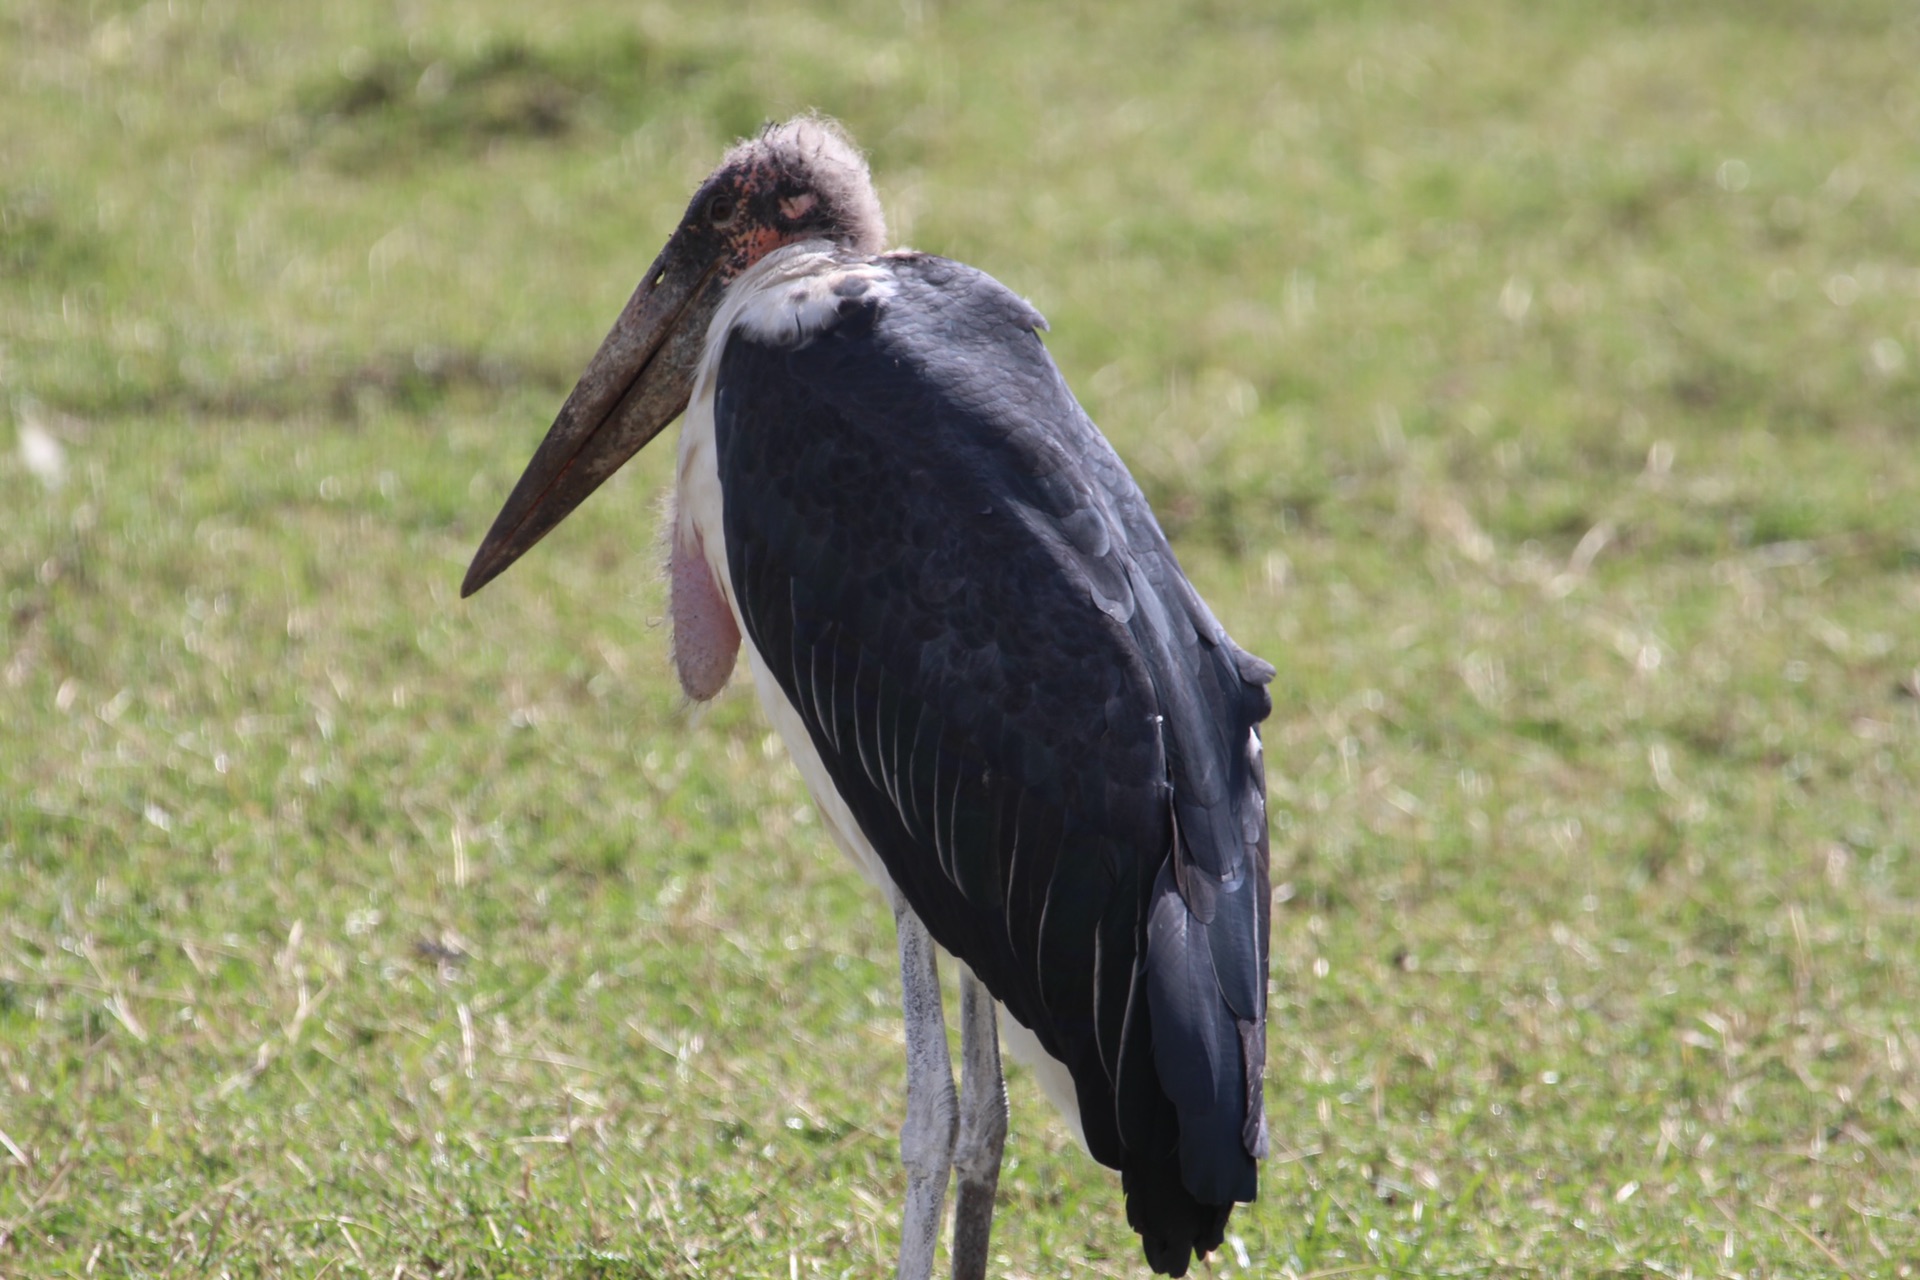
1014,712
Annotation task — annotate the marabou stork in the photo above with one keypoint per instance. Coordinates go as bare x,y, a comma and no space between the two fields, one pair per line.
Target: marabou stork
1015,713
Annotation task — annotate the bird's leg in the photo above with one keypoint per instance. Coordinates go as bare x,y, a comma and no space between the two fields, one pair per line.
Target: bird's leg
926,1139
983,1129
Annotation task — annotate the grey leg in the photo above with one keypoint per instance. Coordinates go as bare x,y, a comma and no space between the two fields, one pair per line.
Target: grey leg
926,1139
983,1129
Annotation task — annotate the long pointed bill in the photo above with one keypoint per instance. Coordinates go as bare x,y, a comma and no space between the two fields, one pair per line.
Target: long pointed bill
636,384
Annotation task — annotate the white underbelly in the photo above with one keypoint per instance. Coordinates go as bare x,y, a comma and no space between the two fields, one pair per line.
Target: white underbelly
813,771
1055,1081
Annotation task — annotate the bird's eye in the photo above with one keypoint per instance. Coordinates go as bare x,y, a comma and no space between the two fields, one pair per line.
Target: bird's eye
720,210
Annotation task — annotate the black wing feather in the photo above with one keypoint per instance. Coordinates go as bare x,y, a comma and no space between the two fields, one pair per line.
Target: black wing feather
1039,726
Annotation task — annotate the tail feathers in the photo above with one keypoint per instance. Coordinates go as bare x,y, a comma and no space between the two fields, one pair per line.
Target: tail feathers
1174,1227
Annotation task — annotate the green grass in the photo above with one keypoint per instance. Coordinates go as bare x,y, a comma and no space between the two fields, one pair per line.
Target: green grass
1538,385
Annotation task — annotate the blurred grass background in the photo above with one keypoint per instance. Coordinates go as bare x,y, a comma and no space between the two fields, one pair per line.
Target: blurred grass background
1535,384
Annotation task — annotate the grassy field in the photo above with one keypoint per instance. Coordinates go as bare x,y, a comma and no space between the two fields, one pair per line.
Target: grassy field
1537,385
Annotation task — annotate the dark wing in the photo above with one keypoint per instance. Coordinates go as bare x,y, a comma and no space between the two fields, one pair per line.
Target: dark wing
1044,733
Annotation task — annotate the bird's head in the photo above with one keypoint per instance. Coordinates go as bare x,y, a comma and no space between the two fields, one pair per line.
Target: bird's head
802,180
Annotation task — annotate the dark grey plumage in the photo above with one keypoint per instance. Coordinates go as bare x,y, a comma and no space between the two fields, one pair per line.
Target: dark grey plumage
1038,724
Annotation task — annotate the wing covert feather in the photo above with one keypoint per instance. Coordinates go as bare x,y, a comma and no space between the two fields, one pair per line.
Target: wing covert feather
1035,720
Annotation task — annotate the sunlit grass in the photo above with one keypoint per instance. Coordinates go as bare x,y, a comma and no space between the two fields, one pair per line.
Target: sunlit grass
1536,385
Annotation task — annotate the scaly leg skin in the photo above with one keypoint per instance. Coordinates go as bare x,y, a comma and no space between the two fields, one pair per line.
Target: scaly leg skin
926,1139
983,1129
